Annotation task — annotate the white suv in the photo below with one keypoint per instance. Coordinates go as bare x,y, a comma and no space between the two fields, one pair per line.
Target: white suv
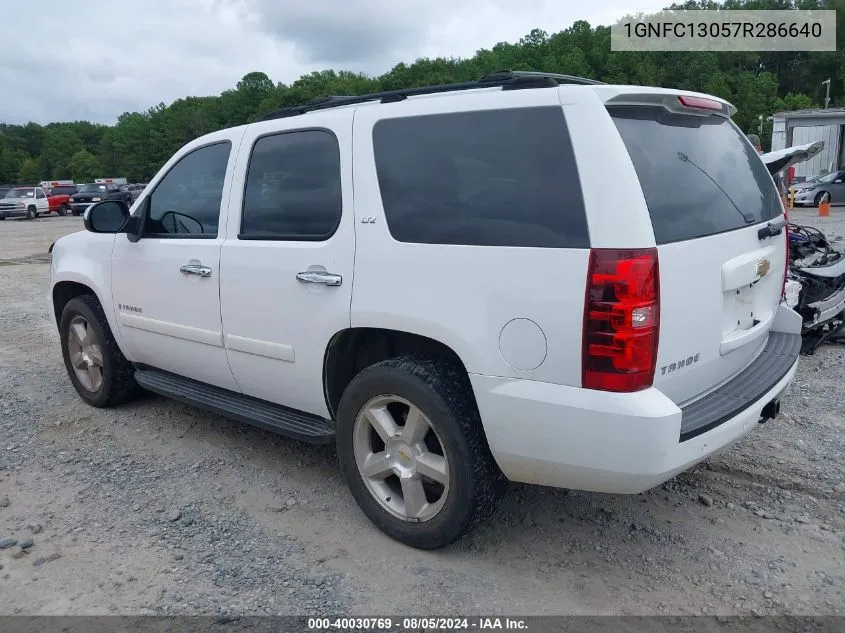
531,277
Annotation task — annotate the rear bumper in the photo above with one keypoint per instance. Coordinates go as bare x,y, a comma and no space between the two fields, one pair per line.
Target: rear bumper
569,437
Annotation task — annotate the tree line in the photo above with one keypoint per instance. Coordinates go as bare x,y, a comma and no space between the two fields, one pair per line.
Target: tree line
140,142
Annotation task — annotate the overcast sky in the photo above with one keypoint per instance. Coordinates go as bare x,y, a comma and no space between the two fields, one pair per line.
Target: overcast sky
95,59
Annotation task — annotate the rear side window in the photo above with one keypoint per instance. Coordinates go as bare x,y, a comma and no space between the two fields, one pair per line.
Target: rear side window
293,187
484,178
698,174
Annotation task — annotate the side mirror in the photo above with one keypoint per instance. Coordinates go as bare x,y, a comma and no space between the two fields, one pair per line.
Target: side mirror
108,216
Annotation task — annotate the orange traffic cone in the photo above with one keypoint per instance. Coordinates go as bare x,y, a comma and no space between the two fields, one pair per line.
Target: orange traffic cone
824,207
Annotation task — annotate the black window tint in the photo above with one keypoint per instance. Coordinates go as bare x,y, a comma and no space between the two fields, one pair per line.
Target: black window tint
698,174
487,178
293,187
187,200
39,193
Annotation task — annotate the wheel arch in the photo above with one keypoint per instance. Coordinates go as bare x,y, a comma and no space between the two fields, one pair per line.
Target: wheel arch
64,291
68,285
351,350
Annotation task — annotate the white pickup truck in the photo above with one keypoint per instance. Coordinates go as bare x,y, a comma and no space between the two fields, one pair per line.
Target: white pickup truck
28,202
446,287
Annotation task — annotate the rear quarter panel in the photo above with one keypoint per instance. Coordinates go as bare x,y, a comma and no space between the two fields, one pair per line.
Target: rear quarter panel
463,296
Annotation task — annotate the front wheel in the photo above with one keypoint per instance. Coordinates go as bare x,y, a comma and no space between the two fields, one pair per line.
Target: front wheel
31,213
413,451
98,370
820,196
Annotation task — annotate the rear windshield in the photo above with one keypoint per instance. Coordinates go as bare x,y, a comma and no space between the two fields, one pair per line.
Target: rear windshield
699,175
61,191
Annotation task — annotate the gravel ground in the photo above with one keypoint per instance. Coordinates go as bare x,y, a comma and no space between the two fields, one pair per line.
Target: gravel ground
157,508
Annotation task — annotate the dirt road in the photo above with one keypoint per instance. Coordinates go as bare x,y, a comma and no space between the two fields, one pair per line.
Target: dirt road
160,508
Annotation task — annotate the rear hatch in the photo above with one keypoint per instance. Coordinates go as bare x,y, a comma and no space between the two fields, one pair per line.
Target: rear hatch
709,195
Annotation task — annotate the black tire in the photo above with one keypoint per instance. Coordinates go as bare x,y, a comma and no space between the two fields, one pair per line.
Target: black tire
818,199
31,213
63,210
118,384
443,393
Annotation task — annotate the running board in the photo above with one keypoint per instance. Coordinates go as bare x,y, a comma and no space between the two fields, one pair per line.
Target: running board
266,415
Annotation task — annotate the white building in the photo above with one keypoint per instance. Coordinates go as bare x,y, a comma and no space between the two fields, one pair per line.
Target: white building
806,126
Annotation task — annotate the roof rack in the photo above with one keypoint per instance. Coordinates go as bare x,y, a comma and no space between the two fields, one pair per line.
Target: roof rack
506,79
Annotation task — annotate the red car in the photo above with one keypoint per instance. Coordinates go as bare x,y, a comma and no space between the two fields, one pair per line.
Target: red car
59,198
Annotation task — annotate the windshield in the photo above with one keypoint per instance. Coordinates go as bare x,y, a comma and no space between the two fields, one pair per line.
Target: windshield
21,193
92,188
826,178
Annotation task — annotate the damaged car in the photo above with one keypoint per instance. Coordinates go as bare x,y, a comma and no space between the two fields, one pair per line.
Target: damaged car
815,280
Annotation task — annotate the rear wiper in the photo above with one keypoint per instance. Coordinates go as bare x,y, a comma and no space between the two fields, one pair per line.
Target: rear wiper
771,229
747,218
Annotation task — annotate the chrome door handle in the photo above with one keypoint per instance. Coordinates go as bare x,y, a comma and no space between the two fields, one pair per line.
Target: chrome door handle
196,269
319,277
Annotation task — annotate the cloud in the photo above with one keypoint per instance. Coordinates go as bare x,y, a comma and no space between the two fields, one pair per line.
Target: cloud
96,61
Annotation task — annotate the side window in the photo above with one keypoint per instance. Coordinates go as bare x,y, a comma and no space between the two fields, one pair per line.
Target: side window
186,202
488,178
39,193
292,188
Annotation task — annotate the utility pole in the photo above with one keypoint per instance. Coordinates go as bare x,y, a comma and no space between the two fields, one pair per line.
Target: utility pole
826,82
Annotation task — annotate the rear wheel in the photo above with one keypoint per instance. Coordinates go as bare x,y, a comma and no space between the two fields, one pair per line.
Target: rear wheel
63,209
414,453
97,368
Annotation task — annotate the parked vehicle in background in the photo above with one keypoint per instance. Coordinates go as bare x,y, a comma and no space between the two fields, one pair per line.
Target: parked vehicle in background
812,191
92,193
58,198
110,181
135,190
612,338
28,202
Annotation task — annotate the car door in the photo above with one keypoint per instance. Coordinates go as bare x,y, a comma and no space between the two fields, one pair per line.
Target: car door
165,286
286,264
42,203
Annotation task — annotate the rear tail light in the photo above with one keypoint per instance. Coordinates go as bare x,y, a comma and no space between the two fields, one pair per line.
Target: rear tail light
621,320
